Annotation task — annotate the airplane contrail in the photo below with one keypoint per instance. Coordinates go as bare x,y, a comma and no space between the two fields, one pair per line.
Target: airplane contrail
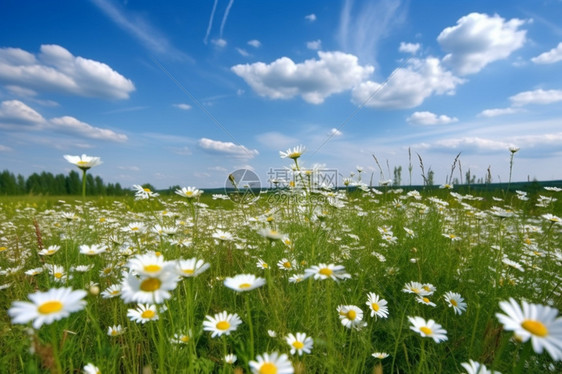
225,16
210,22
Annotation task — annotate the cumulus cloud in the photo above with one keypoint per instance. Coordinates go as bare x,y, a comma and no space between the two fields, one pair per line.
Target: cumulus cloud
478,39
314,45
71,125
407,87
498,112
335,132
226,148
409,47
314,80
428,118
550,57
15,115
539,96
310,17
183,106
254,43
56,69
14,112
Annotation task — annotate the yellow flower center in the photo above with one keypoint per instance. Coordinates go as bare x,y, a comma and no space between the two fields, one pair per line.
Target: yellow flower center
189,193
134,228
150,284
425,300
351,315
326,271
184,338
269,219
152,268
426,330
287,264
188,271
298,345
50,307
114,332
3,249
58,275
51,251
146,190
223,325
268,368
245,285
453,302
82,163
148,314
535,327
375,307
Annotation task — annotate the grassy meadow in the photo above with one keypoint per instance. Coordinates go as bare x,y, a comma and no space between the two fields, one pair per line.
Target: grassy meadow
326,263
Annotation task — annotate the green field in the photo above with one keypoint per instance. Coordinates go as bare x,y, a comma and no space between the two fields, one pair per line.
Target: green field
320,253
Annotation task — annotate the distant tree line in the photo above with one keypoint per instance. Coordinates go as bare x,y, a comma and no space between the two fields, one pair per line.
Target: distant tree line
46,183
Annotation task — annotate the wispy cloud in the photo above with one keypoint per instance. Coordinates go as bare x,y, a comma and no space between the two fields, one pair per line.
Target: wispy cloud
430,119
226,148
539,96
210,25
362,27
138,27
183,106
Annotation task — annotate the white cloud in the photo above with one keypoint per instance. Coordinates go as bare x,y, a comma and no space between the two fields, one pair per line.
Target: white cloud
226,148
407,87
73,126
409,47
4,148
471,143
242,52
140,29
183,106
550,57
498,112
276,140
314,45
428,118
221,43
254,43
313,79
14,112
310,17
56,69
362,26
478,39
539,96
335,132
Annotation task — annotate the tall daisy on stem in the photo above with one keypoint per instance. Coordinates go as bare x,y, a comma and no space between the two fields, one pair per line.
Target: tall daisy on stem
84,163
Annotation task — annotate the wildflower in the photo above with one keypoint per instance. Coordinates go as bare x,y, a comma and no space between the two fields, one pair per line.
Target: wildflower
272,333
244,282
58,273
150,264
294,153
323,271
514,149
377,305
82,268
555,189
222,323
261,264
148,289
47,307
513,264
191,267
272,363
91,369
380,355
189,192
296,278
115,330
299,343
286,264
50,250
455,301
83,162
222,236
535,321
271,234
473,367
34,271
92,250
351,316
230,358
416,288
143,193
428,329
143,313
135,228
551,218
181,338
424,300
111,291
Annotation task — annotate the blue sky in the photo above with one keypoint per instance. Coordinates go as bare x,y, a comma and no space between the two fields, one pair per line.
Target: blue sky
185,92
